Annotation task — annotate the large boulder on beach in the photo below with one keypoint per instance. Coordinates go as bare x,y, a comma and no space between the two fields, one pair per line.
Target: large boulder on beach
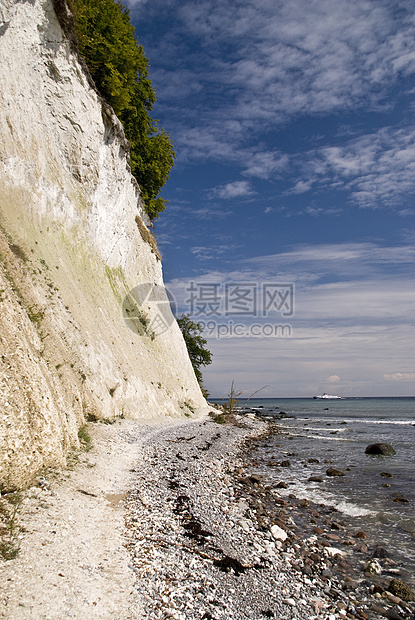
383,449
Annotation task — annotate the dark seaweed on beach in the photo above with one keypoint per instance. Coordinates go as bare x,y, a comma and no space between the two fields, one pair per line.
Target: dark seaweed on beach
227,563
194,530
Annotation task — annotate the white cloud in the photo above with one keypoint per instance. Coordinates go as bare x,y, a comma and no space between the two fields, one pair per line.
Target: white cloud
235,189
311,210
353,322
376,169
265,164
206,253
209,213
205,143
301,187
283,60
336,55
339,261
333,379
221,141
400,376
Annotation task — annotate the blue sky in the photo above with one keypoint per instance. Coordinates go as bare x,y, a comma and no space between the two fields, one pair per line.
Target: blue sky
293,124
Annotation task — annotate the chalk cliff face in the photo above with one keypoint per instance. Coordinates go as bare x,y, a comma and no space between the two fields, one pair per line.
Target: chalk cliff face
73,344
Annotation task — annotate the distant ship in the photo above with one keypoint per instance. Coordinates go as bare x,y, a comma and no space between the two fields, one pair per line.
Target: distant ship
327,397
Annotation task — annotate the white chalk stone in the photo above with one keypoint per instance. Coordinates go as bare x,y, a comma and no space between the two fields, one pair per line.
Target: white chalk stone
278,533
332,551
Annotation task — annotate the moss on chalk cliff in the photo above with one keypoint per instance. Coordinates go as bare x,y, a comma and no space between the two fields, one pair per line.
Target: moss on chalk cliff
118,285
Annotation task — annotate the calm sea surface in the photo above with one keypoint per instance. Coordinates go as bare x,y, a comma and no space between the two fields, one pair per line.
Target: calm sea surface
336,433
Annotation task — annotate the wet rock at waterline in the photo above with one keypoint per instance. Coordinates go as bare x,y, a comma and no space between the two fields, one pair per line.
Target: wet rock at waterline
382,449
331,471
315,479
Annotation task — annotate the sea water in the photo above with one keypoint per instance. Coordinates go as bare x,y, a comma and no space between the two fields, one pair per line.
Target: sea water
377,493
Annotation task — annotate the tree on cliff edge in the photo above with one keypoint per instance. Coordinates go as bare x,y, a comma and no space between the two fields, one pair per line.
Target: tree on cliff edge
195,343
119,69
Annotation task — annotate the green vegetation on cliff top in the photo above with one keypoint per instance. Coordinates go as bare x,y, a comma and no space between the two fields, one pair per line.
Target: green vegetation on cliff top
119,69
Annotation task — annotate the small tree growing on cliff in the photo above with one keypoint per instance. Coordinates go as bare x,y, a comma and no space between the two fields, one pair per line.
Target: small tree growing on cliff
195,343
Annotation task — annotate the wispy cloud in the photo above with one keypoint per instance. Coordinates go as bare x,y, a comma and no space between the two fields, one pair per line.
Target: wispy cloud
334,284
243,68
234,189
377,169
340,55
210,212
301,187
265,164
207,253
400,376
320,211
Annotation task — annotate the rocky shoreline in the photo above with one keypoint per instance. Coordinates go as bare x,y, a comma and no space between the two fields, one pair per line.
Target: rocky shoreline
210,539
172,521
360,573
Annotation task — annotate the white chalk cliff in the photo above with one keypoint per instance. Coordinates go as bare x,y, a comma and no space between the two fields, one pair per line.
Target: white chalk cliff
72,246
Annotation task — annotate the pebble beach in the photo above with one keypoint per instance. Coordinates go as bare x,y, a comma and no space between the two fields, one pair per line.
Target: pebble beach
210,539
173,521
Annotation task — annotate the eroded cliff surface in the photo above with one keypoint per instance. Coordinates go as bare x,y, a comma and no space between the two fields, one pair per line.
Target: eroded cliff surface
72,246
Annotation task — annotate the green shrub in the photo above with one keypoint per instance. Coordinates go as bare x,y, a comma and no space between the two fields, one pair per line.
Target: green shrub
84,438
119,69
195,343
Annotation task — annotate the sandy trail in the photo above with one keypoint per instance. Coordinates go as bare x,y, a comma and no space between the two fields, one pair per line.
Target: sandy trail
72,562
